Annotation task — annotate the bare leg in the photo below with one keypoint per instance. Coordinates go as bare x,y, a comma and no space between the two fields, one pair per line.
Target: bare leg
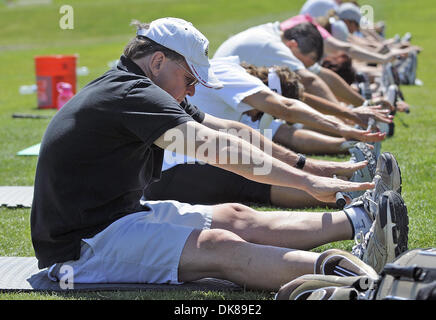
329,134
222,254
307,141
288,229
244,245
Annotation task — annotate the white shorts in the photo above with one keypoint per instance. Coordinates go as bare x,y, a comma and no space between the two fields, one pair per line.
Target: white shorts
142,247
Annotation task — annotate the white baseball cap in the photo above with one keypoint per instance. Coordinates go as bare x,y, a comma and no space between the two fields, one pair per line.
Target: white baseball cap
349,11
182,37
339,29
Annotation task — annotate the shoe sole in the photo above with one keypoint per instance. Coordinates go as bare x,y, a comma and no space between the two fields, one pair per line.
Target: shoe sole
394,222
365,154
391,129
411,74
365,174
391,164
389,75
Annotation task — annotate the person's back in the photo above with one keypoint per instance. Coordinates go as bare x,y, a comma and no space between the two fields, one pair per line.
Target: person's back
318,8
304,18
95,139
261,46
227,102
248,43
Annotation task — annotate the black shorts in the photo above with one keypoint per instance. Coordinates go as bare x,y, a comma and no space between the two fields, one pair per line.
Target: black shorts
206,184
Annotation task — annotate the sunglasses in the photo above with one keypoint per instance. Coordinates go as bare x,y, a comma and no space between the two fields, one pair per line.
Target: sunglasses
193,82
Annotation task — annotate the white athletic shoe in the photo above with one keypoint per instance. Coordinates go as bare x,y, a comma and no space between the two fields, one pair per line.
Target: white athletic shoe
412,65
388,77
361,152
388,236
387,177
389,172
407,37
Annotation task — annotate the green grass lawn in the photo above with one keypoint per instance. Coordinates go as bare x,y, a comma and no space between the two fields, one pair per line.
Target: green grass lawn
101,29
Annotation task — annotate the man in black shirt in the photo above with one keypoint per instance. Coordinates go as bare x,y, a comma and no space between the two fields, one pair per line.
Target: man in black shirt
105,146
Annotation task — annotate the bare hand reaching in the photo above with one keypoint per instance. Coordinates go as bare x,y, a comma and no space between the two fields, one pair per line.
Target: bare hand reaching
376,112
324,189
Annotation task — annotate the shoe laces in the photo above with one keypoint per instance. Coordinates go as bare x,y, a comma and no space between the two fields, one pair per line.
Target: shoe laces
369,205
361,242
360,245
369,155
368,197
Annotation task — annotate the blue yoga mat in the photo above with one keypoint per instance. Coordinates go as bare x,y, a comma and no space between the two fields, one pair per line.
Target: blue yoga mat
22,274
31,151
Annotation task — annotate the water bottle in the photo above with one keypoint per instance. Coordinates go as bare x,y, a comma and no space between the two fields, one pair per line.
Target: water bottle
28,89
82,71
65,91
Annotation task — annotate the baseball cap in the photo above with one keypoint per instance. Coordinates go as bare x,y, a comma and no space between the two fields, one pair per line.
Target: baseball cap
349,11
182,37
339,29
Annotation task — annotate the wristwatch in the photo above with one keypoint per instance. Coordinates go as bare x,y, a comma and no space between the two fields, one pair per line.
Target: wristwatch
301,161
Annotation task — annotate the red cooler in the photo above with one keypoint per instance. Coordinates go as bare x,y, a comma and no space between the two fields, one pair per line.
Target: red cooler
50,70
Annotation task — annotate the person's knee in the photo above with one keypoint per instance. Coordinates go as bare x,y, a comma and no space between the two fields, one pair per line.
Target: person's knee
207,253
233,216
222,250
285,135
217,240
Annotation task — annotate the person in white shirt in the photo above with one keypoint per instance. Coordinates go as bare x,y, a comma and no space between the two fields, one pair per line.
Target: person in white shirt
102,233
344,24
298,48
245,91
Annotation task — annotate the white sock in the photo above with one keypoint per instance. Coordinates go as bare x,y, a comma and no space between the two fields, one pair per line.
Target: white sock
347,145
359,219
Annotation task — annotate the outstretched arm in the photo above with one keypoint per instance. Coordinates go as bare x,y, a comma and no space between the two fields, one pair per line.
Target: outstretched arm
295,111
252,136
219,149
315,85
333,45
342,90
359,115
316,167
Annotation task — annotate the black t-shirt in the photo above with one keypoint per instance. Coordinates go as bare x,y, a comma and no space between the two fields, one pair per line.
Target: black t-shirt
97,156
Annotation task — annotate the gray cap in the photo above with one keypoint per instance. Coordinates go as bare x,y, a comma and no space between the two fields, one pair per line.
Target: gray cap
340,30
349,11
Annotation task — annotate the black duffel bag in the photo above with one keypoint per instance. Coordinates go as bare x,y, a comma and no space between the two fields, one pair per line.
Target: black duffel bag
412,276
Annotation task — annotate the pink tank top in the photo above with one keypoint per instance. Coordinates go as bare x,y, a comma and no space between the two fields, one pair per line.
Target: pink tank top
292,22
